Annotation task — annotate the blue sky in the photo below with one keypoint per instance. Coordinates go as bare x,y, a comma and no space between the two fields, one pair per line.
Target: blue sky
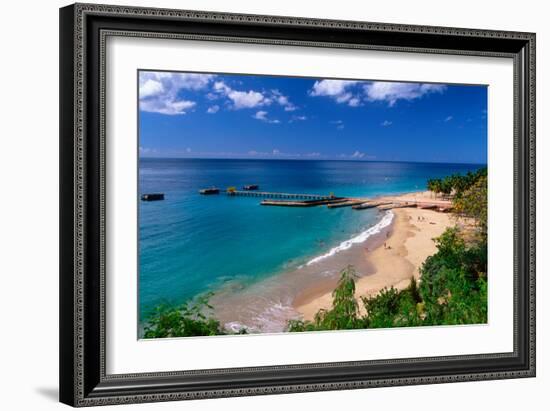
194,115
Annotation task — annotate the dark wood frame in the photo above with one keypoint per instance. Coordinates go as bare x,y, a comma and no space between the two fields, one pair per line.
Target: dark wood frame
83,30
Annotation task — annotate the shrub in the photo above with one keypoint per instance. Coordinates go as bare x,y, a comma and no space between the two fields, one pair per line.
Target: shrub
343,315
454,282
186,320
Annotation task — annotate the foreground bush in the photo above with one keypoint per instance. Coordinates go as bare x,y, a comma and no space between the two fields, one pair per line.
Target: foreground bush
186,320
454,282
344,314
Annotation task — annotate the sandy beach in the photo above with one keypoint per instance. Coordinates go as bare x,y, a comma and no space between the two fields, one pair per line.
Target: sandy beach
391,254
409,242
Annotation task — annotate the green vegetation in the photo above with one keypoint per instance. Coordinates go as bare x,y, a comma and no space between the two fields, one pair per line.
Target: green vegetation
344,314
187,320
456,184
472,203
393,308
454,282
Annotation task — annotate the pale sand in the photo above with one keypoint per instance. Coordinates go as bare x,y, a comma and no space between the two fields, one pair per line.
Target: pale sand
410,243
421,196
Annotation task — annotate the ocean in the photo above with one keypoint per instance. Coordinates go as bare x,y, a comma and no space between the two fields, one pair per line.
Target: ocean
190,244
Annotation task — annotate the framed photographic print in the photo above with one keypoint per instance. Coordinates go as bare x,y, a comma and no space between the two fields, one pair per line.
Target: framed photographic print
262,204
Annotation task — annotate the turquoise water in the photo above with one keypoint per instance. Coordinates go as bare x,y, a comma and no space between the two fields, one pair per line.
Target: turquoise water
189,244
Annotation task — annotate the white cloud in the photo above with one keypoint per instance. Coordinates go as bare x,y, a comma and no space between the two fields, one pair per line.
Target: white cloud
386,123
448,118
297,118
354,102
159,92
262,116
147,150
221,87
343,98
277,153
314,154
247,99
150,88
242,99
283,100
357,155
392,92
166,106
339,124
331,88
349,92
336,89
213,109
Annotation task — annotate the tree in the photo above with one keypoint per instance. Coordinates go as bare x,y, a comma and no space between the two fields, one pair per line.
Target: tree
473,204
446,186
344,313
434,185
394,308
454,282
455,184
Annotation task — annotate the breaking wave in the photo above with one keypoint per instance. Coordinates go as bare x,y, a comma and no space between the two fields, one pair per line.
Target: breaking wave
360,238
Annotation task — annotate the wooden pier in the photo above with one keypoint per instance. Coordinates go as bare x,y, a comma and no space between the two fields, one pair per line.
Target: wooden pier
304,203
331,201
396,205
370,204
282,196
346,203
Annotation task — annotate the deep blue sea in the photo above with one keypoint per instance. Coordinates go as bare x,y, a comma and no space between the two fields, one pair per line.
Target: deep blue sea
190,243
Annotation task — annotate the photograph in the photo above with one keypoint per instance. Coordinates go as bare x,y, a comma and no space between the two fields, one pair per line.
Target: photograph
273,199
283,204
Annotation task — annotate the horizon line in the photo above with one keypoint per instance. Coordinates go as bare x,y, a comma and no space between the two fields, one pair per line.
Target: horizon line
309,159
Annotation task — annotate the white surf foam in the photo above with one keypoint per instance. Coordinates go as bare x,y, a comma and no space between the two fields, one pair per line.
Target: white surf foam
360,238
236,327
271,319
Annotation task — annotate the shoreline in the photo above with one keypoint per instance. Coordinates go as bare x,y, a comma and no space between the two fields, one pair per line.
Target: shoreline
409,242
298,293
268,305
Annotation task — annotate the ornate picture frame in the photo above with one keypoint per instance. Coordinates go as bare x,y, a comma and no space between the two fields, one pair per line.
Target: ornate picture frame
84,29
